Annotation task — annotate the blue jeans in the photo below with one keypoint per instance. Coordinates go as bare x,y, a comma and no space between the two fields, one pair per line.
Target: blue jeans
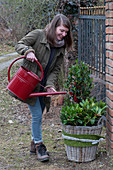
36,112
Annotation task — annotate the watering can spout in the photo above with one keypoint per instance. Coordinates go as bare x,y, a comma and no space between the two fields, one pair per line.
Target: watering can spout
46,93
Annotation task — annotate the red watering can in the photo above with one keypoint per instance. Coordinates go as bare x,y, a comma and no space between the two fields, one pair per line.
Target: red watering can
24,82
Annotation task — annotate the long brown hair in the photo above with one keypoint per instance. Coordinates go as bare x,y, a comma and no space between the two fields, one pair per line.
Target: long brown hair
51,28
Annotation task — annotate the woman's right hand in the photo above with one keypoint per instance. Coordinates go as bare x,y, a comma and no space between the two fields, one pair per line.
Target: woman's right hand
31,57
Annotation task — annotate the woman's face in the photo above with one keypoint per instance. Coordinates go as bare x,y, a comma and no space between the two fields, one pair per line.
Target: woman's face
61,32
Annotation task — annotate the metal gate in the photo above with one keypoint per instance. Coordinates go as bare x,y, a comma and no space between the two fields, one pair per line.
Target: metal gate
91,46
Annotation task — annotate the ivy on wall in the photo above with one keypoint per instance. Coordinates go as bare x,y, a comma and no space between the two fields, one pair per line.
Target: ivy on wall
88,3
68,6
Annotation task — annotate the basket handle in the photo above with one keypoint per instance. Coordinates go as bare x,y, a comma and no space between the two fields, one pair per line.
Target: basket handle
101,120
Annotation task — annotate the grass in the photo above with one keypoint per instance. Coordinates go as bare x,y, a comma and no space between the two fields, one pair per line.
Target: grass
5,49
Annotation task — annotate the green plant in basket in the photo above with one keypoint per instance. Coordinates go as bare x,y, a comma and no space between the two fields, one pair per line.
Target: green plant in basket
85,113
80,109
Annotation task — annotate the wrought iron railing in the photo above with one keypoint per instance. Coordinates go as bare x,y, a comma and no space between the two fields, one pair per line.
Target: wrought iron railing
98,10
91,40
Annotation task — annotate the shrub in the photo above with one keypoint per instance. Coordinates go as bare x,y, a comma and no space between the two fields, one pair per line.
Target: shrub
80,109
78,83
87,112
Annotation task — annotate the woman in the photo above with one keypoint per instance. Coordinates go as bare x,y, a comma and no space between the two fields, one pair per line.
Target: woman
48,47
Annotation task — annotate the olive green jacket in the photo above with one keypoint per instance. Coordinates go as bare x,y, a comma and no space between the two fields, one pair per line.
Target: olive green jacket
36,41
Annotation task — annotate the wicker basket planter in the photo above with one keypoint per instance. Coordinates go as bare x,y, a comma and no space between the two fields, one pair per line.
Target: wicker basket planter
86,152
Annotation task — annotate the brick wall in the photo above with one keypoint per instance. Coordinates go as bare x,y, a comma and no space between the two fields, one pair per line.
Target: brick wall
109,75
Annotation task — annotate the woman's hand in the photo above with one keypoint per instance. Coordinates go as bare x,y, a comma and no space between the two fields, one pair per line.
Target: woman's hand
31,56
49,90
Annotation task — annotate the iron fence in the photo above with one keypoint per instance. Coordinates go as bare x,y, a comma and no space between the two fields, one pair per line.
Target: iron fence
91,42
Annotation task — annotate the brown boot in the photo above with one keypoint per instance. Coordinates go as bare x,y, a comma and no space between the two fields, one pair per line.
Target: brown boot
41,152
33,148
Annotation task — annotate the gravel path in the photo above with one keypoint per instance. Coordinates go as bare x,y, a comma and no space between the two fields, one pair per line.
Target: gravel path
8,55
5,64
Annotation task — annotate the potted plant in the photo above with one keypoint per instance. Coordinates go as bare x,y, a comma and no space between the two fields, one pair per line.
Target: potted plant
81,115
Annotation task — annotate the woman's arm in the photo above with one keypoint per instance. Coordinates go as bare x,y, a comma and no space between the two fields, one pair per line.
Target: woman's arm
24,46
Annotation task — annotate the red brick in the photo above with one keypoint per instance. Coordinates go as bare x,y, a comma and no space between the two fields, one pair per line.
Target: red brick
109,126
107,38
111,5
109,112
109,134
109,30
109,86
109,46
109,94
107,6
109,78
111,38
109,62
110,143
109,22
108,1
109,14
109,54
109,70
109,118
109,102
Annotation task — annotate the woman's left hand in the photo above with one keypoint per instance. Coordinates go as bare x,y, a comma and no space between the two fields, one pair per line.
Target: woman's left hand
31,57
49,90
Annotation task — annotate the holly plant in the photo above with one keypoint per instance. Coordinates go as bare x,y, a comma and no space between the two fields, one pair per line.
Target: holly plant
78,83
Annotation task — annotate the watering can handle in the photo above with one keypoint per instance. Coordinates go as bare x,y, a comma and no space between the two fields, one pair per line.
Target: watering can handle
21,58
